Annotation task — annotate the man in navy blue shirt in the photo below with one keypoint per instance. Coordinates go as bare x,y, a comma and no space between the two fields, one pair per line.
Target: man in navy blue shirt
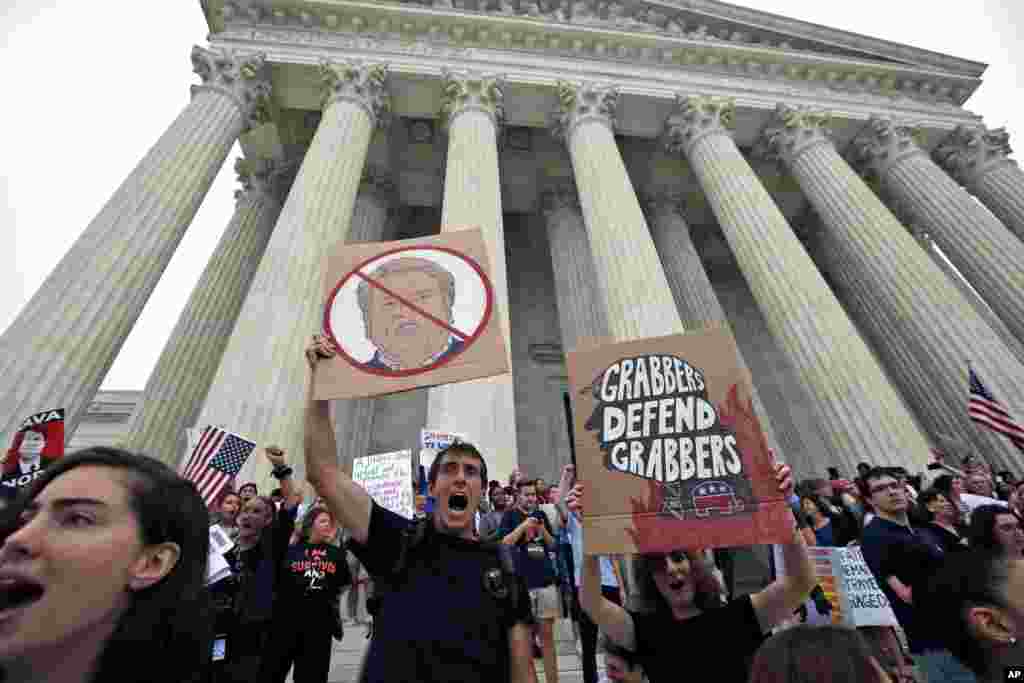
452,615
527,528
900,557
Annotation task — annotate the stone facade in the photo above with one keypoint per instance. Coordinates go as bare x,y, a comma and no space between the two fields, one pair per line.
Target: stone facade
582,136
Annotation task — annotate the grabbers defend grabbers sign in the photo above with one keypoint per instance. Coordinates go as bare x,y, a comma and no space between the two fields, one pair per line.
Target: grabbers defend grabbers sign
670,448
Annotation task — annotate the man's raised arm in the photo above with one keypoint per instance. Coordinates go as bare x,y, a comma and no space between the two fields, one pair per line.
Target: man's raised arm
348,501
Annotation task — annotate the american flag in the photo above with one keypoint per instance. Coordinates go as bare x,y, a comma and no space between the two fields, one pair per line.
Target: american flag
215,461
985,409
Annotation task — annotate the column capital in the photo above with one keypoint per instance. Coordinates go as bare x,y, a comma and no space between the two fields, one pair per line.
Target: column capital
559,195
794,130
883,143
581,102
970,151
463,91
269,178
365,85
242,77
696,117
377,181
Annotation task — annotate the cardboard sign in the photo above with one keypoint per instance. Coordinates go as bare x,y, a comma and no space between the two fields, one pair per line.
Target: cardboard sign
670,449
387,477
38,443
408,314
848,585
433,442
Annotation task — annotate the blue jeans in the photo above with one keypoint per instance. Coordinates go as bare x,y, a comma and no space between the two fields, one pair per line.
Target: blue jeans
940,666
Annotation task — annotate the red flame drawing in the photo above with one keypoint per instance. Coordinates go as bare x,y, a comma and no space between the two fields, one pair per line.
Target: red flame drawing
655,531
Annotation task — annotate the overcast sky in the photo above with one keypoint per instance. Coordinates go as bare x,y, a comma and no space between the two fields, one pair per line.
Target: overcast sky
92,85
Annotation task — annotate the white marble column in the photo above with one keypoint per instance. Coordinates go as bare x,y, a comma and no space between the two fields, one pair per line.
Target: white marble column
630,279
698,306
182,376
581,313
977,157
353,419
482,409
988,255
860,411
928,314
57,351
260,387
924,238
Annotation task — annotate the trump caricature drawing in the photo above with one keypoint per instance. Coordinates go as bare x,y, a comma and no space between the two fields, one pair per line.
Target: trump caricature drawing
403,337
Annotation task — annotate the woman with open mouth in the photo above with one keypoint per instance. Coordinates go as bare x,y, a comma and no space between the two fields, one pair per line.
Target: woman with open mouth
103,574
684,606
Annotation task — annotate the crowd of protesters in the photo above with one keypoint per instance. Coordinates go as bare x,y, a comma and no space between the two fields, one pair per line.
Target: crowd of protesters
104,577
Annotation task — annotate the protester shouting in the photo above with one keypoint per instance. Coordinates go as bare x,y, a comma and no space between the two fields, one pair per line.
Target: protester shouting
815,654
685,599
245,600
227,514
975,604
449,608
103,574
307,615
527,529
248,492
996,529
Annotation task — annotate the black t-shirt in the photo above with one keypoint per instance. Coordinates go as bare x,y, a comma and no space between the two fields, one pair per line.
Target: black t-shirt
726,637
312,578
891,549
538,571
440,623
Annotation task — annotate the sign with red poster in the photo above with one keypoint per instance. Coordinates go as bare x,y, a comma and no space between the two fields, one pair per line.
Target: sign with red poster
37,443
670,449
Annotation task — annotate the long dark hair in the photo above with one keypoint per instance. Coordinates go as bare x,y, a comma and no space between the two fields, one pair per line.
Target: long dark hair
708,592
981,533
806,654
165,635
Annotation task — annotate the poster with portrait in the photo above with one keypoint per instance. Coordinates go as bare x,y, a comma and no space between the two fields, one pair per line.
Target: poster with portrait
670,448
408,314
38,442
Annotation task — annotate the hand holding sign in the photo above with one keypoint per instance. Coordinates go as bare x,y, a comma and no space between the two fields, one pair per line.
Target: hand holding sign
320,347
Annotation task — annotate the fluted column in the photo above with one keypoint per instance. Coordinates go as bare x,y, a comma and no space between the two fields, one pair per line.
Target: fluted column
988,255
860,411
260,387
924,238
57,351
977,157
698,305
581,313
182,376
353,419
927,313
482,409
630,279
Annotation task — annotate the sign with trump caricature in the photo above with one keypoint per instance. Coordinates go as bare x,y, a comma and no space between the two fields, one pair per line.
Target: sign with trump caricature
670,448
409,314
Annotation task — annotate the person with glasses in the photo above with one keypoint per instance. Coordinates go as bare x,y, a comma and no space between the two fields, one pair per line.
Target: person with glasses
900,557
685,610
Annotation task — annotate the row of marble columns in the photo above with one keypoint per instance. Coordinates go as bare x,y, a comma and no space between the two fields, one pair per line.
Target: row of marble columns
617,277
